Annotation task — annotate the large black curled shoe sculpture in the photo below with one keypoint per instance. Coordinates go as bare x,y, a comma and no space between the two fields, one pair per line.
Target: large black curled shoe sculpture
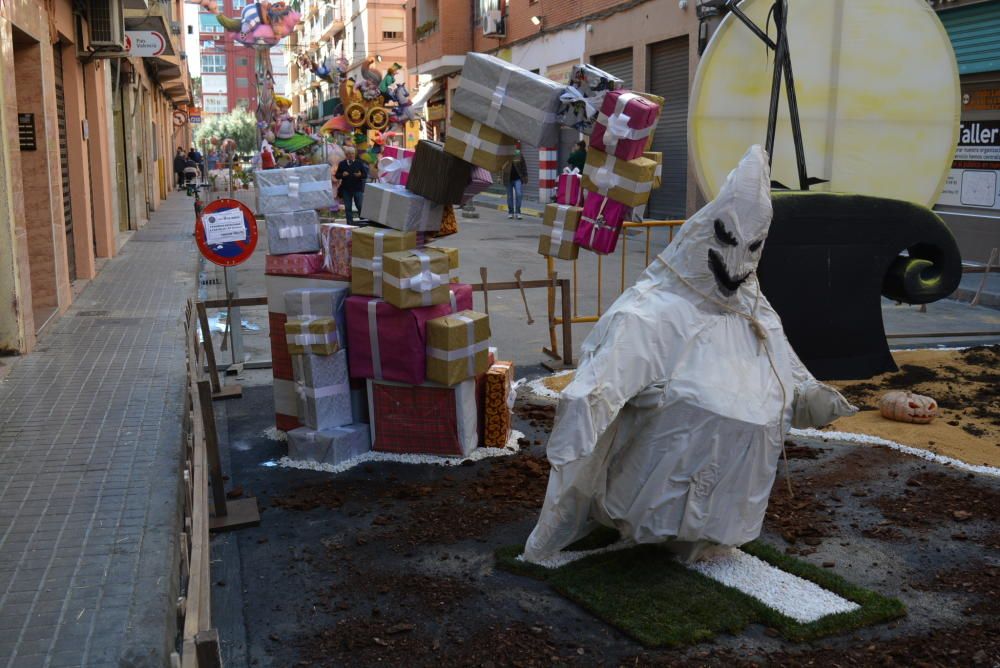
828,260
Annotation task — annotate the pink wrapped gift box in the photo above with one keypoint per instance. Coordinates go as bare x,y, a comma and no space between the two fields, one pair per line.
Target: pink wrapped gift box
388,343
294,264
335,239
600,224
624,124
569,188
481,180
394,165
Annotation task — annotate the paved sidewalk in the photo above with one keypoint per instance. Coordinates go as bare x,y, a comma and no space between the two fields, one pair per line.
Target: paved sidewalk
90,461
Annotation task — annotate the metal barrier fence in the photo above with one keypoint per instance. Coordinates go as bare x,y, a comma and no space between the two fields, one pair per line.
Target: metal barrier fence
647,227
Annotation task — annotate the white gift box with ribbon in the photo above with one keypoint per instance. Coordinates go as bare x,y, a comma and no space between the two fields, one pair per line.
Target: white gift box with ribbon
294,189
323,390
295,232
509,98
396,207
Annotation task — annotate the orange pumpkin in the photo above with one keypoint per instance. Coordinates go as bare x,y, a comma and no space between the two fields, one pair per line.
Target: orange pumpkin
903,406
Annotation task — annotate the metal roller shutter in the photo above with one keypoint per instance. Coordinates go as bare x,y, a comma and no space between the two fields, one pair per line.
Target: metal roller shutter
530,154
617,63
64,159
975,35
668,78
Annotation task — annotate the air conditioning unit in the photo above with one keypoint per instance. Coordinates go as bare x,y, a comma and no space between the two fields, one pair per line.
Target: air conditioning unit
493,24
107,25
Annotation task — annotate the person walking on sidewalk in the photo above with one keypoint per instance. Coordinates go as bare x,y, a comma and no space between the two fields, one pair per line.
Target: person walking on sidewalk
180,162
352,174
578,157
515,175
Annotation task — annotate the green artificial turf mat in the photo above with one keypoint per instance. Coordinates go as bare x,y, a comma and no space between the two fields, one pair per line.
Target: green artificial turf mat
653,598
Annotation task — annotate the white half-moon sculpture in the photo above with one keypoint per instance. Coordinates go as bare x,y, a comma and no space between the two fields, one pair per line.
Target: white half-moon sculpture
878,95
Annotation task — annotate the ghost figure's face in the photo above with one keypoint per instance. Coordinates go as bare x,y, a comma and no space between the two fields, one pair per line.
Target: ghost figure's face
731,259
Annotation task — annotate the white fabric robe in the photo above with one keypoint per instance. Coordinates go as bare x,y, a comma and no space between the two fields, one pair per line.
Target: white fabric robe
673,425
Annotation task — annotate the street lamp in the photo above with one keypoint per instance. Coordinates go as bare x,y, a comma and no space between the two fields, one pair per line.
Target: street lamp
537,20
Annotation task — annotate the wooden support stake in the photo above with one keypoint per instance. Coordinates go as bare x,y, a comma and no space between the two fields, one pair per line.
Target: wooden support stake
206,339
212,449
208,650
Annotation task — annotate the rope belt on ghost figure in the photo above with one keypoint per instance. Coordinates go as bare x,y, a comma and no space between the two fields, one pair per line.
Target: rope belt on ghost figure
758,329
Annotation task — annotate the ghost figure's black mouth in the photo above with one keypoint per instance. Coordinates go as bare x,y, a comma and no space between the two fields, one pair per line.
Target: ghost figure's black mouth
727,284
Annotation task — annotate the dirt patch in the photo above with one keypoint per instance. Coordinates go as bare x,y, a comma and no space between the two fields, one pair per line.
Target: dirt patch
966,386
368,641
540,416
933,500
981,580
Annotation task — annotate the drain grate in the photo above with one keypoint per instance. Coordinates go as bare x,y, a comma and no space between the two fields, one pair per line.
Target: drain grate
92,314
210,281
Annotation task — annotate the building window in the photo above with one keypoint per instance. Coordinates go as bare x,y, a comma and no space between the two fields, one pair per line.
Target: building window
213,64
216,104
239,4
242,61
392,28
208,23
242,82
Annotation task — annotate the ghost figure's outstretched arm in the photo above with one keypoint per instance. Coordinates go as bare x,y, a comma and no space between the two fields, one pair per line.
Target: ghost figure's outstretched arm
628,357
815,404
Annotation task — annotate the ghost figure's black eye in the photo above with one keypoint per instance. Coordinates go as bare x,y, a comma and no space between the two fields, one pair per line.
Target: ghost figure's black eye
723,235
755,246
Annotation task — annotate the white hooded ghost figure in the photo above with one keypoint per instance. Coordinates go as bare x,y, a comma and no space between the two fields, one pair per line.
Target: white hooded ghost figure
672,428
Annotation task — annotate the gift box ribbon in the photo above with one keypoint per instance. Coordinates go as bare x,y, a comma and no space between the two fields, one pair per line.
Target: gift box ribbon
312,339
559,224
299,187
306,392
391,170
291,232
373,338
469,352
498,99
592,104
616,126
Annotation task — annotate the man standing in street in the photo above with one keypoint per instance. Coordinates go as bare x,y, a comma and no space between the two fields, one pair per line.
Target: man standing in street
515,175
195,155
352,174
180,162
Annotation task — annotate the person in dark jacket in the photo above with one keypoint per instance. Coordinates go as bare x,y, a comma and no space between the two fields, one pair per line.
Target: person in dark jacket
352,174
195,154
579,156
180,162
515,175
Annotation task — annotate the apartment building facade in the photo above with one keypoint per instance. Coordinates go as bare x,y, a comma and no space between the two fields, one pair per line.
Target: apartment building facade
335,29
85,144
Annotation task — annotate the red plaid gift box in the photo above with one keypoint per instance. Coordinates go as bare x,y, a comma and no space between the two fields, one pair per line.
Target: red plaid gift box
600,224
294,264
481,180
424,419
624,125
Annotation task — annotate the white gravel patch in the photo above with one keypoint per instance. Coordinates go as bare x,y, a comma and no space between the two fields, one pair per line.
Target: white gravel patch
792,596
538,387
274,434
560,559
476,455
916,452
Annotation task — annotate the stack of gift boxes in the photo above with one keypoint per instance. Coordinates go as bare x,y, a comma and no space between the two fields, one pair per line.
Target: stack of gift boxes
620,171
374,341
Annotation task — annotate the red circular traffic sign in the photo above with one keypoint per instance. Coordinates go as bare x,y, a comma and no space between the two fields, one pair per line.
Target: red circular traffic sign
226,233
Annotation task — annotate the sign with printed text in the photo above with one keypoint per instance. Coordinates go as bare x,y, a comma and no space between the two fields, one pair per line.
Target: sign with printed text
144,43
224,226
194,115
974,178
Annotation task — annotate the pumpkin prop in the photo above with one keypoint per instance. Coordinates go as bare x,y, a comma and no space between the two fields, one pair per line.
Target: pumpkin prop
903,406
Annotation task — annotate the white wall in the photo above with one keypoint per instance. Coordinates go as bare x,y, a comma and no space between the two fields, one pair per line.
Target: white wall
550,49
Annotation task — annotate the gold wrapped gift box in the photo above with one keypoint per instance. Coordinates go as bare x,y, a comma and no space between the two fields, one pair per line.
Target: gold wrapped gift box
310,335
558,227
452,254
415,278
368,247
625,181
477,143
457,347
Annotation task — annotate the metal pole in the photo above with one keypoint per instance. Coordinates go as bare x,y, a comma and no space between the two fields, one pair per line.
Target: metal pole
234,316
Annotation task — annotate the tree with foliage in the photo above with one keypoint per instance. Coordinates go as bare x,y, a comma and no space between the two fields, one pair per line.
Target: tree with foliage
239,125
